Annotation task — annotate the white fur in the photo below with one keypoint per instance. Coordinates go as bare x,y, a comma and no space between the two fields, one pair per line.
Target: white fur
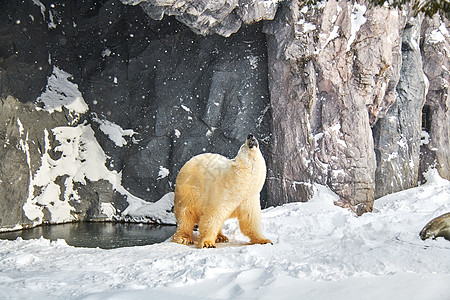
211,188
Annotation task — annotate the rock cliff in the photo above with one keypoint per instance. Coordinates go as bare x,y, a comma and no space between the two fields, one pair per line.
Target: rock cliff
435,49
335,67
103,102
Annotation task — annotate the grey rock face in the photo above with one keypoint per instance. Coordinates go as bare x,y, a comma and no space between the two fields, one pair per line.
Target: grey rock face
413,136
15,54
202,94
398,135
435,147
180,94
14,170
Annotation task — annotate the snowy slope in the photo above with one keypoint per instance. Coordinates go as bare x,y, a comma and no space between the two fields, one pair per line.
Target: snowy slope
320,251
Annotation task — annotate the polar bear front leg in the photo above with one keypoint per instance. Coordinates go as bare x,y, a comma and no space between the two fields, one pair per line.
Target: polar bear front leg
210,226
249,216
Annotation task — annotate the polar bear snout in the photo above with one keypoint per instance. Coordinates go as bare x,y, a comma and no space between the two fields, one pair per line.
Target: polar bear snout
252,141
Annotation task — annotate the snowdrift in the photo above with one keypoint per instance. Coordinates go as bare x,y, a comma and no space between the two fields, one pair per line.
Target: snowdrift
320,251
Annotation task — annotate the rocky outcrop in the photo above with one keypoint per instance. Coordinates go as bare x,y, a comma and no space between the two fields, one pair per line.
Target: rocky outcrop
334,68
398,135
49,169
414,135
223,17
14,167
352,79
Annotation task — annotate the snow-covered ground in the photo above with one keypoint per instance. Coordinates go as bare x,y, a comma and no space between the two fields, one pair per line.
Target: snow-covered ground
320,251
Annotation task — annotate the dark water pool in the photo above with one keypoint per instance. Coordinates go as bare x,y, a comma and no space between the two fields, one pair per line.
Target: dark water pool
97,234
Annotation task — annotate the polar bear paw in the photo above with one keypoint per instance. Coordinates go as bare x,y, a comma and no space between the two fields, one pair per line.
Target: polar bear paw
221,238
262,241
185,240
207,244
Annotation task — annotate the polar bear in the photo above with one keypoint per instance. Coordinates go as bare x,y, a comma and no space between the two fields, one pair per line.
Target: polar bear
211,188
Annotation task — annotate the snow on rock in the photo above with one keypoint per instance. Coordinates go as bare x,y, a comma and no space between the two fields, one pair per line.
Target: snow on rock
329,37
109,210
81,158
163,172
184,107
431,198
160,211
41,7
320,251
114,132
60,92
433,178
438,35
357,20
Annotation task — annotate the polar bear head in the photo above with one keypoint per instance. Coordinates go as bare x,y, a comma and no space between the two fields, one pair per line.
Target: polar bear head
252,142
249,151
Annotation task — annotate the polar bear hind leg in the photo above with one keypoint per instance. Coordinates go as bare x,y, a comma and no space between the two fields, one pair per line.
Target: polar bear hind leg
185,228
